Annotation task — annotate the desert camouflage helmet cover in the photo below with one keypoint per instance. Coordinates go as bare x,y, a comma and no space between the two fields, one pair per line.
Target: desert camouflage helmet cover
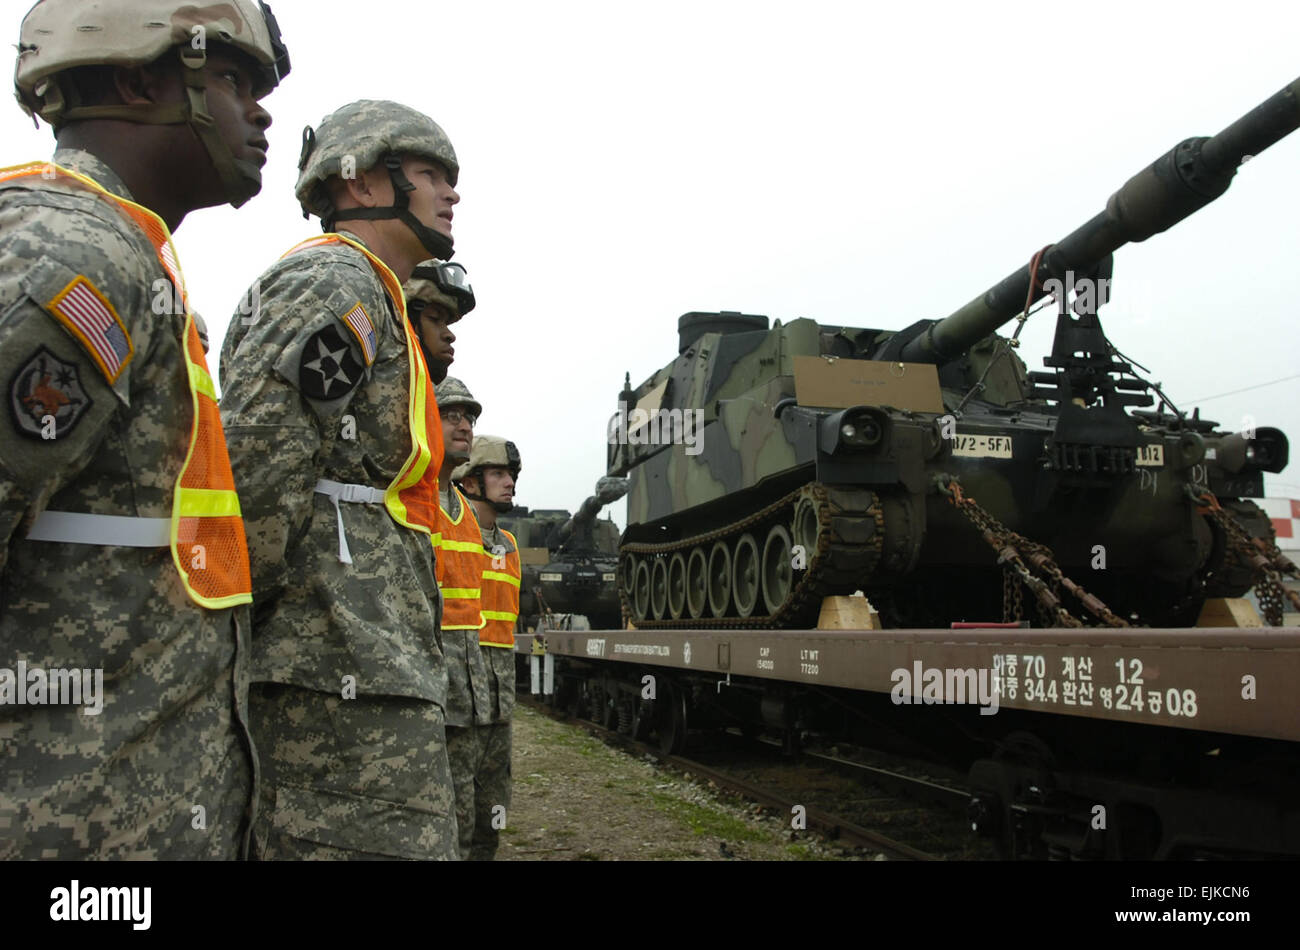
361,134
58,35
452,392
425,286
490,451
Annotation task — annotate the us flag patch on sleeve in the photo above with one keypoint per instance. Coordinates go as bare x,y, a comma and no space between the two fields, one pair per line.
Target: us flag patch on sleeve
359,323
91,319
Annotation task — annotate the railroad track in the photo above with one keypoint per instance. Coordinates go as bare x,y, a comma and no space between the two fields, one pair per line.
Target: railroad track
956,800
828,822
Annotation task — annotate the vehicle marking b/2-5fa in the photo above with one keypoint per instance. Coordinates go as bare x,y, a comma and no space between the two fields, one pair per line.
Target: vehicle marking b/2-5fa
982,446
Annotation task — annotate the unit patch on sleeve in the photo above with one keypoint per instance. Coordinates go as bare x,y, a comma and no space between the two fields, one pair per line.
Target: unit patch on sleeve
91,319
328,367
46,398
360,324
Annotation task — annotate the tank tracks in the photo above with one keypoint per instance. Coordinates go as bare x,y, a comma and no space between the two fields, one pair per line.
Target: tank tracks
679,584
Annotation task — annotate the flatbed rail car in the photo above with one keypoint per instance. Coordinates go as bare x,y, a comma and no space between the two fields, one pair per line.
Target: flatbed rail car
1077,743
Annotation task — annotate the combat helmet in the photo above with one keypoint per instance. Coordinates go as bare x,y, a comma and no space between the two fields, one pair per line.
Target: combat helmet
452,392
360,136
440,283
489,451
59,35
443,284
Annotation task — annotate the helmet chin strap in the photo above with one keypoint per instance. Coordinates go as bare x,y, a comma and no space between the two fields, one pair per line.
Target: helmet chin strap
436,243
239,180
500,506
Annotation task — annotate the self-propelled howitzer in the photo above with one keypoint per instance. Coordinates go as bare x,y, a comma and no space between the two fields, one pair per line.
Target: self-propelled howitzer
770,467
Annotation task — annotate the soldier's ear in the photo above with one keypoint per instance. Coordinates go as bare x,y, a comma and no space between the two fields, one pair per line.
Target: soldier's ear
144,85
369,189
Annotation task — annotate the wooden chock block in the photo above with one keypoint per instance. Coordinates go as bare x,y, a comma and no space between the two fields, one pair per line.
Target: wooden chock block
848,613
1229,612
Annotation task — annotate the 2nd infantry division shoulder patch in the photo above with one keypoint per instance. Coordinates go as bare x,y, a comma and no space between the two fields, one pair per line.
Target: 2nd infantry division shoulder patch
328,367
88,316
46,398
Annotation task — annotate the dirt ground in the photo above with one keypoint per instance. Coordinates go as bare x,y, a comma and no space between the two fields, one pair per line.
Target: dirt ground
577,799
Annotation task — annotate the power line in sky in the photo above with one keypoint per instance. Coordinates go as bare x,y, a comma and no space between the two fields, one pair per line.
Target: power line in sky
1273,382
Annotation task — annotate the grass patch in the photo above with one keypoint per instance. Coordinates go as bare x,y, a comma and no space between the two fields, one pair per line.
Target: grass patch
703,820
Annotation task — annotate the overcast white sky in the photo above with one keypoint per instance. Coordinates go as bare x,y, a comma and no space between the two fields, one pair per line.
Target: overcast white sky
865,164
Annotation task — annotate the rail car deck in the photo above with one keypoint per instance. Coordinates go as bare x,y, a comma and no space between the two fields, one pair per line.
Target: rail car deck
1228,680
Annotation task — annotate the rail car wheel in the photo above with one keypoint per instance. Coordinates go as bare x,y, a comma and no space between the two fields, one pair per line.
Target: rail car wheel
659,588
745,575
778,571
577,704
643,720
719,579
592,703
670,718
641,590
697,583
568,698
677,585
608,710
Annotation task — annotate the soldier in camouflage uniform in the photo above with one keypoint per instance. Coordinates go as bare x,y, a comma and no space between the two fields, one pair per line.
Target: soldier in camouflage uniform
438,295
101,569
461,562
488,481
336,444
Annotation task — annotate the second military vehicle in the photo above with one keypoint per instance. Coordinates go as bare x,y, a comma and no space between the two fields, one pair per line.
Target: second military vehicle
569,561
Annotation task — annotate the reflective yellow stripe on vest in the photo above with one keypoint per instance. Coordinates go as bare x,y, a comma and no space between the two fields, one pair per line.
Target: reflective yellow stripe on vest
469,547
207,531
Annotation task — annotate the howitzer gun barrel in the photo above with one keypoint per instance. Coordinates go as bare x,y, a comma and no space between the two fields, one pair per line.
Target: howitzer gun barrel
608,490
584,515
1182,181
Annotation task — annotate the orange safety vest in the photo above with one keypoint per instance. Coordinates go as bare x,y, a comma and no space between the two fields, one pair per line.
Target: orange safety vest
207,527
460,569
501,598
412,498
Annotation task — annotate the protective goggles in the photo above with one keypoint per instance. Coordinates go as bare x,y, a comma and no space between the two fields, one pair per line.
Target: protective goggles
452,280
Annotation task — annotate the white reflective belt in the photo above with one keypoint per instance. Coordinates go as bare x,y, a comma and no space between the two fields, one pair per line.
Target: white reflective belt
69,527
356,494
